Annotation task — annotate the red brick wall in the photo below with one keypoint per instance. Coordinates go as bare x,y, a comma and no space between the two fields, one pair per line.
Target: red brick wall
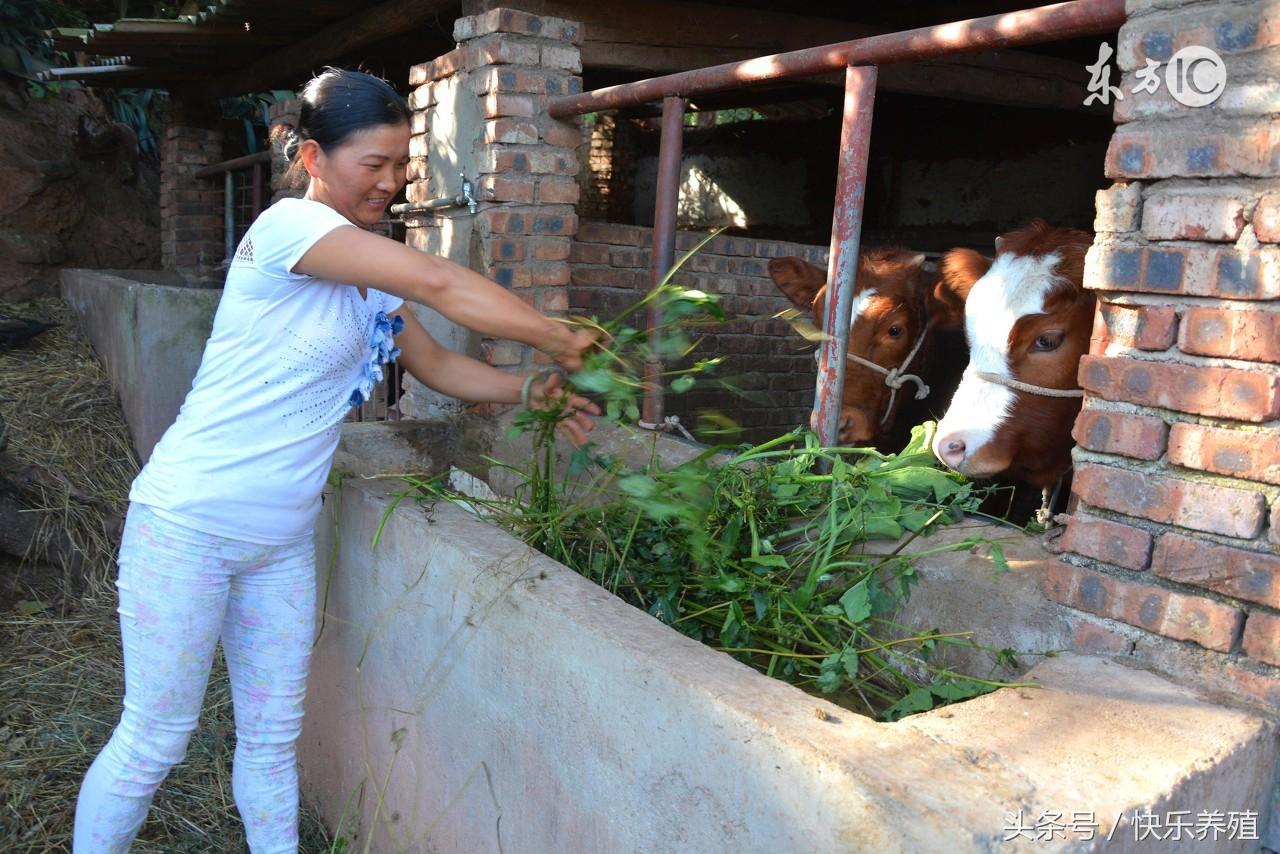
191,222
1178,465
609,267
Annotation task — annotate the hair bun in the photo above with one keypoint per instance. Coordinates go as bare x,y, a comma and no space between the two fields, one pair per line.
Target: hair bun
286,139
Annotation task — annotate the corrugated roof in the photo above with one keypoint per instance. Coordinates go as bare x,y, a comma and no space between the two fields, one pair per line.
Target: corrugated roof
226,36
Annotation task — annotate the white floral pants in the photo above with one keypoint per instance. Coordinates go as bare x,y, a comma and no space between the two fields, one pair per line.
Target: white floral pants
180,590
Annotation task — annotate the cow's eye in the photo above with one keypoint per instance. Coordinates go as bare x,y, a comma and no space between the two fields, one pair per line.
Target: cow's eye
895,331
1048,341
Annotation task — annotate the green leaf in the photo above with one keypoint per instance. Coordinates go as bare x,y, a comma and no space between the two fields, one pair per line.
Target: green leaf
776,561
918,699
829,675
730,584
849,660
682,384
953,688
761,602
856,602
998,558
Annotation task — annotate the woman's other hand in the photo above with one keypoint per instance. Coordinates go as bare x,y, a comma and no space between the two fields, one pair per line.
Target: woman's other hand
577,422
570,346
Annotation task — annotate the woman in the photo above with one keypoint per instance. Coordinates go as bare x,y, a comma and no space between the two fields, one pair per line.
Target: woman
218,539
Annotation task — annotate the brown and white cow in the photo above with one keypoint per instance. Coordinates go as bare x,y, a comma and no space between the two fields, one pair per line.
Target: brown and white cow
902,322
1027,319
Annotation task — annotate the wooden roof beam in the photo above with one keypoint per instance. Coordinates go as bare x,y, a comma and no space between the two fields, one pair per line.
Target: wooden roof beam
289,65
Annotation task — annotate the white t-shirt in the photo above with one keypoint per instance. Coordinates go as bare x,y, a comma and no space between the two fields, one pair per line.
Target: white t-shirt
252,446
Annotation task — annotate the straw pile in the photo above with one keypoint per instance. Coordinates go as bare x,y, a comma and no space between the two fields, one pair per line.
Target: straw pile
67,454
59,699
69,458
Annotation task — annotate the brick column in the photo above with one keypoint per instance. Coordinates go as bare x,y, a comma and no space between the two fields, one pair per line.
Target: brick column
1177,471
480,110
191,218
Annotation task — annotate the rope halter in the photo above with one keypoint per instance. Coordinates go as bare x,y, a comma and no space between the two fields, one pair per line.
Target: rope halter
1019,385
894,378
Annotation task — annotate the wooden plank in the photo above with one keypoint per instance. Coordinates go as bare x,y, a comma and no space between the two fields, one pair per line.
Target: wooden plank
286,66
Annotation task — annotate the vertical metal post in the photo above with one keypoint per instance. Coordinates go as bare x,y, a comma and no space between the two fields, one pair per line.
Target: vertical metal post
229,213
664,238
846,234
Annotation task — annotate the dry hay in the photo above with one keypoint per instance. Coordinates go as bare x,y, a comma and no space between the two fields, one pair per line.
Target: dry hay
70,459
66,451
60,696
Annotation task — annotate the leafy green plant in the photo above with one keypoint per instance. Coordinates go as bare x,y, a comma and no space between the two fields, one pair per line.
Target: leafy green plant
757,555
136,108
753,552
23,49
253,113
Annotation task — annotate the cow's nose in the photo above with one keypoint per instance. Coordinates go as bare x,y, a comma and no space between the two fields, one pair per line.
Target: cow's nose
950,449
856,428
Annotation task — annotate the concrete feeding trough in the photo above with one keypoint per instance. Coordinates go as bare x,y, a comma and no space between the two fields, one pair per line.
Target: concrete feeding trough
470,694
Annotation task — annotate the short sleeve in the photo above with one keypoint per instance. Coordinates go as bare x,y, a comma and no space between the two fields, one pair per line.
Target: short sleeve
283,233
390,302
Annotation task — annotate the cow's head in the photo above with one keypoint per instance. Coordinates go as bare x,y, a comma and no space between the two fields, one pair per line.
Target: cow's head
1027,319
894,299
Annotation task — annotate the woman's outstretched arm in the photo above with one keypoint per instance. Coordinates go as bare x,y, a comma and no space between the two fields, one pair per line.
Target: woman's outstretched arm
467,379
357,257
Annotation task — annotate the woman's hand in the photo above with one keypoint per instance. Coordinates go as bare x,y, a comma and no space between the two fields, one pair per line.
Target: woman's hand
577,422
570,346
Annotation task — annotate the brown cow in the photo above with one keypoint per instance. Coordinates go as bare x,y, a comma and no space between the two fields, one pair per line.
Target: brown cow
1027,320
902,322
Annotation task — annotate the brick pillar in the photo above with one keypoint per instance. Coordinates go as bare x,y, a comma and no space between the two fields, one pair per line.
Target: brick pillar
1177,471
191,218
480,110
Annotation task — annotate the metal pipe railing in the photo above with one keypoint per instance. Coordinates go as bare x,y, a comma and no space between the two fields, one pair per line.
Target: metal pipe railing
235,164
253,163
846,235
859,58
1028,26
663,254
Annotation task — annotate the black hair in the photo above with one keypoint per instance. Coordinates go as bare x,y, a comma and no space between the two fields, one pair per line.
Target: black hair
338,103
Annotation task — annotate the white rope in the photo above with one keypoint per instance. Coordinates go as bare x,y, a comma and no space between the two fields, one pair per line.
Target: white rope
894,378
1048,498
670,423
1027,387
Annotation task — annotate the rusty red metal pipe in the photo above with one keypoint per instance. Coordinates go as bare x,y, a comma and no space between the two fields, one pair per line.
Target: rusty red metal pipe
1044,23
663,253
846,235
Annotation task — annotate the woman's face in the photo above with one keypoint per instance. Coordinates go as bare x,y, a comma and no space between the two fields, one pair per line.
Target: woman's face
359,178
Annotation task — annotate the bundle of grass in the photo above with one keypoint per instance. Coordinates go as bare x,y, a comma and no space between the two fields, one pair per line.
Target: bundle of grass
66,459
59,699
756,551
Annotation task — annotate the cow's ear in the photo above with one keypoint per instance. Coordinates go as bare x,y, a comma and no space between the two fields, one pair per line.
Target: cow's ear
799,280
960,269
